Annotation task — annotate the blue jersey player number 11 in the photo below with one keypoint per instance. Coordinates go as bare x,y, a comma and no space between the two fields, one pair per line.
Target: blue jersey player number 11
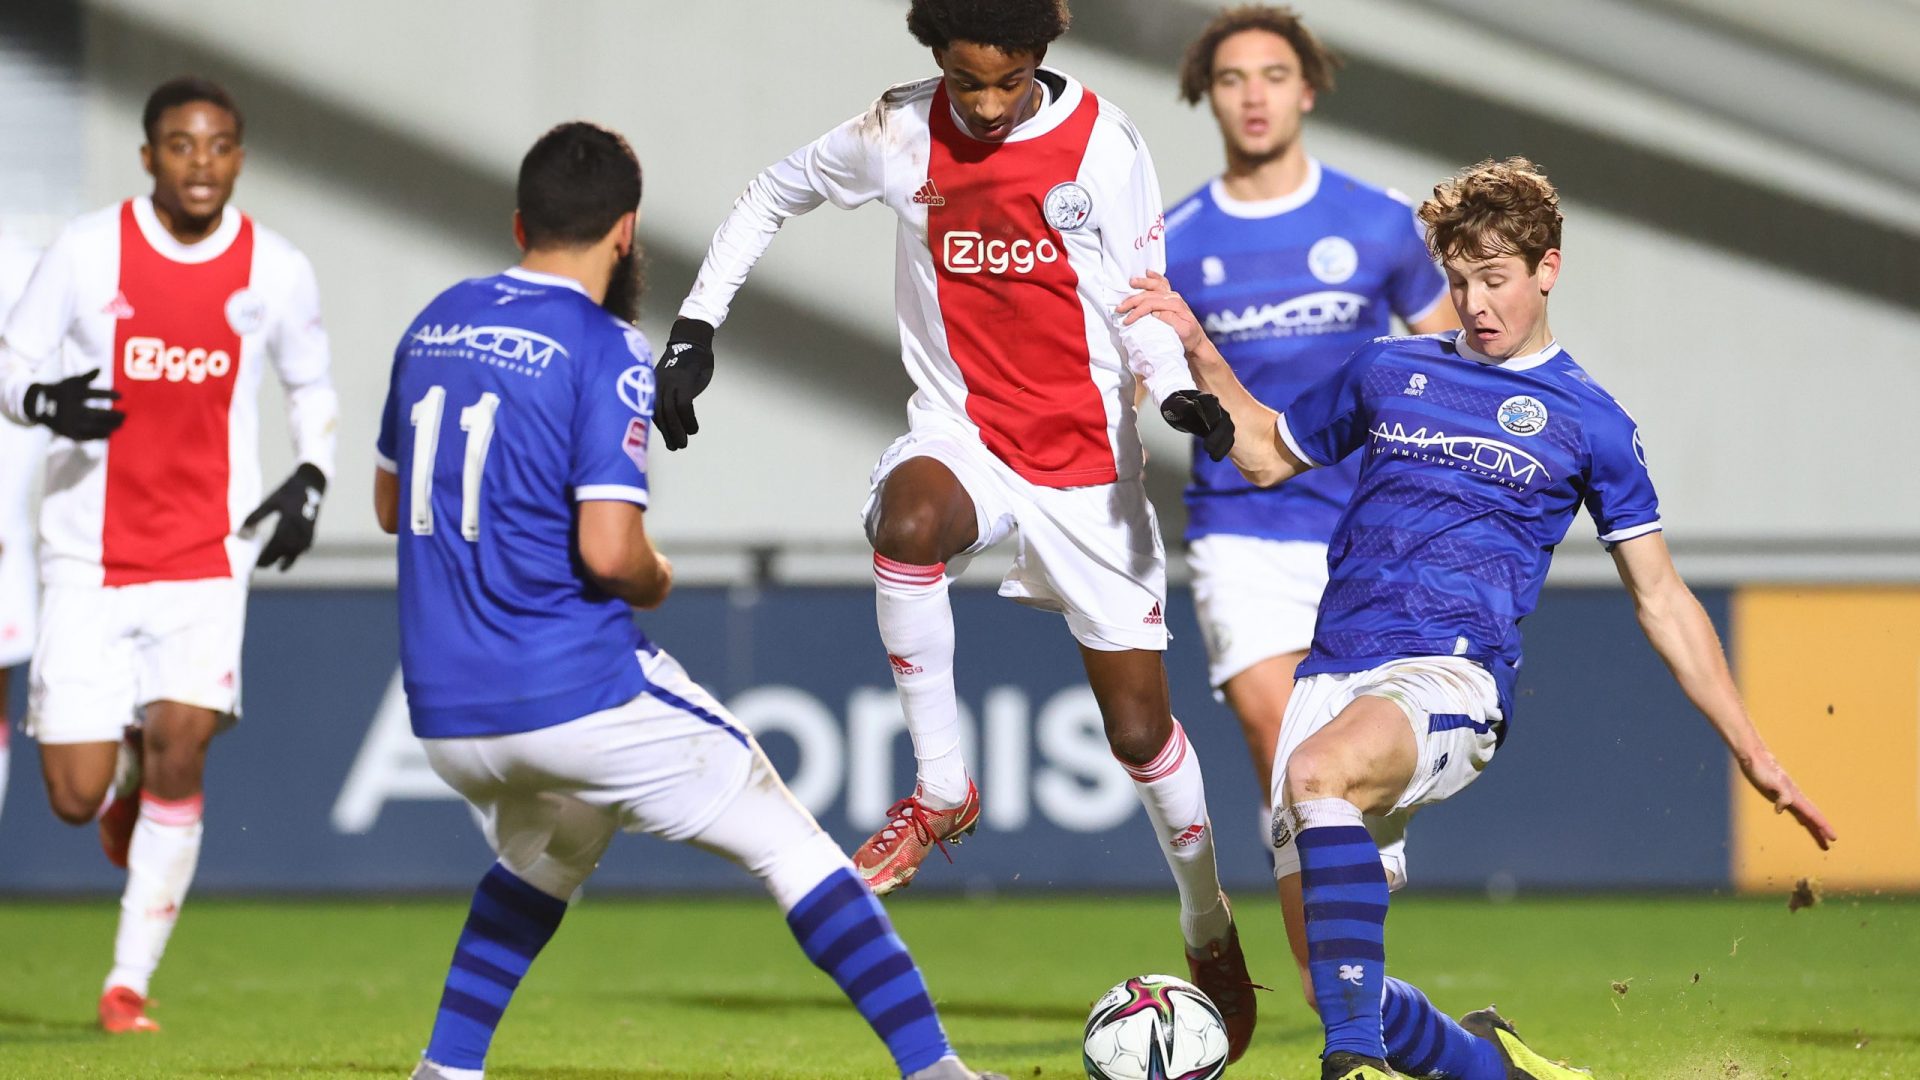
513,469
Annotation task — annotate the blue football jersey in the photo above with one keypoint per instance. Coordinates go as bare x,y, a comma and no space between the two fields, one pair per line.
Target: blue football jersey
1471,473
512,398
1287,289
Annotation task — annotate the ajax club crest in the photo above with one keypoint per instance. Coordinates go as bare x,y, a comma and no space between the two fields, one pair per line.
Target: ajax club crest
1067,206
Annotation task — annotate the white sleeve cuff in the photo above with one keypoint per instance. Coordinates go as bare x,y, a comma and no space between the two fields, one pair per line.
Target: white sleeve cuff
385,463
1286,436
610,493
1631,531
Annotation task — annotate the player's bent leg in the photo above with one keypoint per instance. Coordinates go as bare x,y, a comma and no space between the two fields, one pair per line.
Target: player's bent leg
923,516
834,916
162,852
77,776
1363,759
1131,688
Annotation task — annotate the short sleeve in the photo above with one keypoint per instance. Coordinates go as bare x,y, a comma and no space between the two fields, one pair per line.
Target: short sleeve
613,419
1325,423
386,449
1620,492
1415,286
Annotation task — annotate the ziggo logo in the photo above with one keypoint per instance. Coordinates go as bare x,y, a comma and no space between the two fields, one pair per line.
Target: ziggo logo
969,253
148,359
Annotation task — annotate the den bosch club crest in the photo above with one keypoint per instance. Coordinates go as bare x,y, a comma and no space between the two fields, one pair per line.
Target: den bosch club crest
1067,206
1522,415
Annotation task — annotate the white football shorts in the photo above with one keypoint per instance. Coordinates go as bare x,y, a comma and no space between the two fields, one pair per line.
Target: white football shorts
1454,709
105,652
672,762
1255,598
1092,553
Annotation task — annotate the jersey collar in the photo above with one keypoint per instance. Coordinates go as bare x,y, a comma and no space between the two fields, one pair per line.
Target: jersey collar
1051,115
1511,363
535,277
162,241
1266,208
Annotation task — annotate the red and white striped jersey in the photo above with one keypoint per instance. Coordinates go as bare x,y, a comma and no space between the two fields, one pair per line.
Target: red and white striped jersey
181,331
1011,258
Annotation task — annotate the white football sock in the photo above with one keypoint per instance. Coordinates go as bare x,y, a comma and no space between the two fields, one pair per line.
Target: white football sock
6,754
916,626
1175,795
457,1074
160,865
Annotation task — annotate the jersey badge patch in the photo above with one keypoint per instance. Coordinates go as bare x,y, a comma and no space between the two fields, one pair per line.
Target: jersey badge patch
1333,259
635,442
1213,271
635,387
246,312
1067,206
1522,414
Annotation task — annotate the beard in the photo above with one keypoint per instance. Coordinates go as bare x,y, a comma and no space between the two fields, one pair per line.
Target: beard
624,289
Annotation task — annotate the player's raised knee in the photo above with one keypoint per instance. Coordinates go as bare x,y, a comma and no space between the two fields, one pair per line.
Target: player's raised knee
909,530
1318,772
71,804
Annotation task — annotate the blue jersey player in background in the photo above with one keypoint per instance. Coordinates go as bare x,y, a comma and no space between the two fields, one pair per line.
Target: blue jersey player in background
1290,265
513,467
1477,448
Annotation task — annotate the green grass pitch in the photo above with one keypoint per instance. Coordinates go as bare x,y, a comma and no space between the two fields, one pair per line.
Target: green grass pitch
684,989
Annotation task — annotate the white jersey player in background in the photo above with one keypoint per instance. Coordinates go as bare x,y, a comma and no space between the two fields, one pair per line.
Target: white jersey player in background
1026,204
20,451
170,305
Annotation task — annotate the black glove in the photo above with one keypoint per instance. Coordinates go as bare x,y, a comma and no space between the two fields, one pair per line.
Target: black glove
69,408
1200,414
678,378
298,503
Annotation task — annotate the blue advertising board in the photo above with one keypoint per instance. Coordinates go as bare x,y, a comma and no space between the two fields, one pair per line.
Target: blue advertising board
1608,780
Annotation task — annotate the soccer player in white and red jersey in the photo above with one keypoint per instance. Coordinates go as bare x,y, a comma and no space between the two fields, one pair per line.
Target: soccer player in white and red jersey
171,305
1026,204
20,451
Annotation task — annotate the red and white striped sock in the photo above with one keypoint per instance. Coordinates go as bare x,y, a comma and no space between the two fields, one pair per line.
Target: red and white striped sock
1175,795
160,865
916,626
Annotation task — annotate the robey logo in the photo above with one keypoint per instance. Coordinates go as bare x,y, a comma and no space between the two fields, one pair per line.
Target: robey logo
970,253
149,359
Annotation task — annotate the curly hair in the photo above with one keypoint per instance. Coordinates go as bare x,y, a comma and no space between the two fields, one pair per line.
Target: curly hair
1491,209
1012,26
1317,62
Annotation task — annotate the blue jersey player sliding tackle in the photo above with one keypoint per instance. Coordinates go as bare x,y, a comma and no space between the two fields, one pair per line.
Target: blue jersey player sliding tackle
1477,448
513,467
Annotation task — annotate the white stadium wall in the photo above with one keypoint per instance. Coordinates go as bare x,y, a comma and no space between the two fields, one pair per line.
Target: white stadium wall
1747,377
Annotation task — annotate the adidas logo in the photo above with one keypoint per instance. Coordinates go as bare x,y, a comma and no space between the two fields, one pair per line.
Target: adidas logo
1154,617
1190,836
928,195
903,666
118,307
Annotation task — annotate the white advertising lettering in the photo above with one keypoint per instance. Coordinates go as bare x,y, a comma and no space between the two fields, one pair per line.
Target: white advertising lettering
1311,313
149,359
1046,759
1503,462
970,253
509,343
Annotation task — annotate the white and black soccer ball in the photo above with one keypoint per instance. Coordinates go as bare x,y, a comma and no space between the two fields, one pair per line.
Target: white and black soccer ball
1155,1027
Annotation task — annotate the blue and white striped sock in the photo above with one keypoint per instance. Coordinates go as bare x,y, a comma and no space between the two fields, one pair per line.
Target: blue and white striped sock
508,925
1344,888
846,933
1423,1041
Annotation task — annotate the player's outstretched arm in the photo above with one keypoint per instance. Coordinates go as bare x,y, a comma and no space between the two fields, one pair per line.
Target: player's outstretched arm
841,167
1258,451
1679,630
619,556
386,500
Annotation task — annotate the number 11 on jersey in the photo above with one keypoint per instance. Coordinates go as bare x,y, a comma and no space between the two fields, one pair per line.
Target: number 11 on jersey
477,421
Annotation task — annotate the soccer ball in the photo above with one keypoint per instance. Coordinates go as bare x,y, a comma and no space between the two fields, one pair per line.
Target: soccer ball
1155,1027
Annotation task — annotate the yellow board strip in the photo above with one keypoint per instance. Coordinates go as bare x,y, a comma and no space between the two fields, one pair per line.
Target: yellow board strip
1832,678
